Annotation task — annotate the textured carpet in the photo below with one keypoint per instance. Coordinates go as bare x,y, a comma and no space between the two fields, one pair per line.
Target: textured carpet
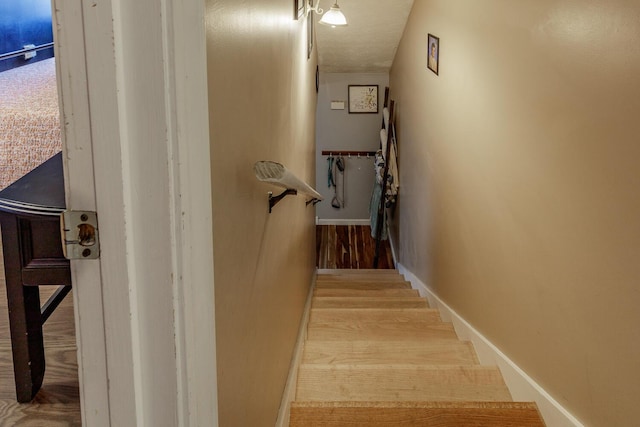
29,119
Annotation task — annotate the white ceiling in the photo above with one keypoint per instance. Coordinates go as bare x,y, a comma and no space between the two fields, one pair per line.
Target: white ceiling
369,42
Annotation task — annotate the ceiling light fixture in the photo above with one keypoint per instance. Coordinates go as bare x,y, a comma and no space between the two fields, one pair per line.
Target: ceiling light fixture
334,17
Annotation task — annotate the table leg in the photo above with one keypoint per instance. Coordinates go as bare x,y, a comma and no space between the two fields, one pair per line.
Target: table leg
26,340
24,317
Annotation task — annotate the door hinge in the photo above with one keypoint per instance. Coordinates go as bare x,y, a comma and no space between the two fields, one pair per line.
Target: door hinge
79,230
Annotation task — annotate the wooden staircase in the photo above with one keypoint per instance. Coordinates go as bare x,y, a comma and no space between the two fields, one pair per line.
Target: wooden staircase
377,355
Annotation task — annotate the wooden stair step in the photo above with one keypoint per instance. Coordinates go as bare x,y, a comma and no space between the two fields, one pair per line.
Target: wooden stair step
381,352
386,315
360,278
356,271
376,331
369,302
365,284
414,414
363,280
323,292
400,383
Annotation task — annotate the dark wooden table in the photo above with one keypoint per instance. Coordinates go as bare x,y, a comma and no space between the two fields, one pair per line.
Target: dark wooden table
30,222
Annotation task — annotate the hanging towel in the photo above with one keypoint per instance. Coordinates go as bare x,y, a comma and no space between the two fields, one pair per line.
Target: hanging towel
385,114
383,141
374,205
393,178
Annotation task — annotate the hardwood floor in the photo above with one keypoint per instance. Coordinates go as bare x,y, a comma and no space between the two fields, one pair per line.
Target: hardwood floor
58,401
349,246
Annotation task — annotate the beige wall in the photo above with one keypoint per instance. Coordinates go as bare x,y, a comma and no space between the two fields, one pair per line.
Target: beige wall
262,106
520,198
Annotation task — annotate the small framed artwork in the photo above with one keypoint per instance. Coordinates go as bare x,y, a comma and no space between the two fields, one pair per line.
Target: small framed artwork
310,31
433,53
298,9
363,99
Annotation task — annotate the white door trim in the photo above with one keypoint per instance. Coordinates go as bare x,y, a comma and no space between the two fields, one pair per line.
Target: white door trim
80,190
191,169
145,310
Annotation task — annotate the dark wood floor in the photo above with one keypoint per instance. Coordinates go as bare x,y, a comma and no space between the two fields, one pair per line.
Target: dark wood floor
58,402
349,246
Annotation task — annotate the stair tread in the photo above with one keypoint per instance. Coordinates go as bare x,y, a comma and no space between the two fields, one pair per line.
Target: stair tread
357,271
391,278
398,315
377,352
400,382
433,414
337,292
371,302
363,284
413,404
336,331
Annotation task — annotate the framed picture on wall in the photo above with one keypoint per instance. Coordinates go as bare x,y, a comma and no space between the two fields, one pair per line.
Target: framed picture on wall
298,9
433,53
363,99
310,31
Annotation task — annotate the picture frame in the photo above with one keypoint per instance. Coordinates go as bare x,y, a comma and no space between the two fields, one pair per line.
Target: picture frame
310,31
363,99
298,9
433,53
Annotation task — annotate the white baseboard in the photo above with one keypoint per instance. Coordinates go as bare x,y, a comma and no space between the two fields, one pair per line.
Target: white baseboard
289,393
522,387
366,221
393,250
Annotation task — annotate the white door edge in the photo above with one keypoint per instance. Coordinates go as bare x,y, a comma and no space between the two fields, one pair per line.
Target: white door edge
134,370
71,73
191,169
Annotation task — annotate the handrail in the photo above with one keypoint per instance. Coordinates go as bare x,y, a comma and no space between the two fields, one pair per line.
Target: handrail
15,53
276,174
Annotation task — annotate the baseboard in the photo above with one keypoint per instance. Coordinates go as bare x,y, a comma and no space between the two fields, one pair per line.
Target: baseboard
289,393
522,386
343,221
392,246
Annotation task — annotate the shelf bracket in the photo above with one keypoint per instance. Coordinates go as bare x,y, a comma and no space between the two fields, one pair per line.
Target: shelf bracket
273,200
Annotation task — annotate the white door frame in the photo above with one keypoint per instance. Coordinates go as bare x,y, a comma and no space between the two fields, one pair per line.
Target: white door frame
132,78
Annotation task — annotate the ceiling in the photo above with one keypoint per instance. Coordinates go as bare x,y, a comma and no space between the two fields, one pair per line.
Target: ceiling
368,44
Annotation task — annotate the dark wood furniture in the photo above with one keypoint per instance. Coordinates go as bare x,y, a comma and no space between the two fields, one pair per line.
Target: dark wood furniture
30,222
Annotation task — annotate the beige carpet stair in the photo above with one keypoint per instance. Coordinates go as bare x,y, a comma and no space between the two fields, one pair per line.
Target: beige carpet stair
376,355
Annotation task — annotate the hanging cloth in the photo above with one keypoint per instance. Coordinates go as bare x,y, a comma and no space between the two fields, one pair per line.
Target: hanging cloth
330,180
341,165
374,207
